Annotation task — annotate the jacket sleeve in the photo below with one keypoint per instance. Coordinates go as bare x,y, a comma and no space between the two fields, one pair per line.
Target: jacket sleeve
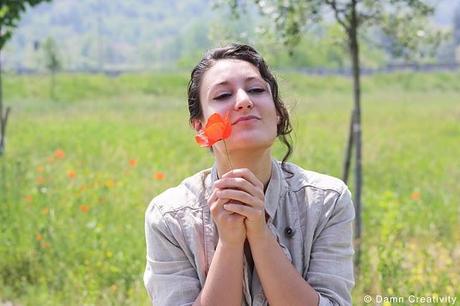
330,271
169,277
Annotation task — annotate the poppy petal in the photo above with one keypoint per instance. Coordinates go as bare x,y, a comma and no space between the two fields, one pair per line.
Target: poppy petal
215,132
202,140
214,118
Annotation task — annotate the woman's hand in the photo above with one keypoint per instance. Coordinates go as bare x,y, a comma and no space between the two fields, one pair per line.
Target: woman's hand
232,231
243,194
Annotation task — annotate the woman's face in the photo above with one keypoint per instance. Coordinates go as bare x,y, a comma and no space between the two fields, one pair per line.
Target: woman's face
236,87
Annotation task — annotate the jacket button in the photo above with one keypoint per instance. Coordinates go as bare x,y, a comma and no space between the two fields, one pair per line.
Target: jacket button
289,232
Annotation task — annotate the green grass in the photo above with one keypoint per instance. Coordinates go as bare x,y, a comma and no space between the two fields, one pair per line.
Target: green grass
53,253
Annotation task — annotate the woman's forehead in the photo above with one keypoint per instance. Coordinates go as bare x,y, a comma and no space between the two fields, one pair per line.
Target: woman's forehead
226,70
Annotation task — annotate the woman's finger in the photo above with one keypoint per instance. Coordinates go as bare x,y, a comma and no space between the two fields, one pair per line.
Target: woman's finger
246,174
246,211
239,183
241,196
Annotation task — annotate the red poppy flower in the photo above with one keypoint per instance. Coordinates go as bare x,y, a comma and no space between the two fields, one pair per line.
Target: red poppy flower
59,154
217,128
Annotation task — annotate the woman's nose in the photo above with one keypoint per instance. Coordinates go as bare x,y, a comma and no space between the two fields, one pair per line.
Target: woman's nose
242,100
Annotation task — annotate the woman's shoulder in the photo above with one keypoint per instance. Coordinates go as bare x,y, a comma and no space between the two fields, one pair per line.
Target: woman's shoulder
190,193
320,191
303,178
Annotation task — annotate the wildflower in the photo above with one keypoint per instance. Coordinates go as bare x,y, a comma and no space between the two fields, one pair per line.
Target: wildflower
40,180
38,237
28,198
71,174
133,162
217,128
109,183
40,169
159,176
59,154
45,211
84,208
44,244
415,196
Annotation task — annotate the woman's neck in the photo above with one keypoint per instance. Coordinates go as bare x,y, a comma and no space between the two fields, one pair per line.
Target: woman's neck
260,163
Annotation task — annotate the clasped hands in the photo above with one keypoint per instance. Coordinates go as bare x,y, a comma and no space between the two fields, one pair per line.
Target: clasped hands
237,207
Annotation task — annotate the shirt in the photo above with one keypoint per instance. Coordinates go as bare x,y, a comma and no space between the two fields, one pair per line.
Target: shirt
309,213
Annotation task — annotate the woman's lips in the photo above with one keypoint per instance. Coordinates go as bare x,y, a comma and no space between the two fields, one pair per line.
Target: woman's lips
245,118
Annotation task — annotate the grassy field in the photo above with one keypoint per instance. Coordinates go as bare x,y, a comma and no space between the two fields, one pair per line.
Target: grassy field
79,172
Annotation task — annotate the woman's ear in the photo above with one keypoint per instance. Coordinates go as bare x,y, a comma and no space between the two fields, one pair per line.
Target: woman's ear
197,125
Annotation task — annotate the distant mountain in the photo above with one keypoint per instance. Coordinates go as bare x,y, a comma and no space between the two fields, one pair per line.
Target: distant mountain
94,33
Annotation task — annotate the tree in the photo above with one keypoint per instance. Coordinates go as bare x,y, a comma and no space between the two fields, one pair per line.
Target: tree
52,62
457,26
396,18
10,13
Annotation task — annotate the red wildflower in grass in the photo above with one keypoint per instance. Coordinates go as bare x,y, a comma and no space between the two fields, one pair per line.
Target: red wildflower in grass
217,128
40,180
28,198
415,196
38,237
71,174
133,162
84,208
59,154
159,176
44,244
40,169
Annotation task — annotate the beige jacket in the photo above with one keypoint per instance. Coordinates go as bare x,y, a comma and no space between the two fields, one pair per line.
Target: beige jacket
310,214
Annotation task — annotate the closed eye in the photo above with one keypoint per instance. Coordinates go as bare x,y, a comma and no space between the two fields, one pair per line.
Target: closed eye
222,96
256,90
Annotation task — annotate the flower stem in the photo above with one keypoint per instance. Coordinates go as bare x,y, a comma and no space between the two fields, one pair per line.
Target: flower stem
228,157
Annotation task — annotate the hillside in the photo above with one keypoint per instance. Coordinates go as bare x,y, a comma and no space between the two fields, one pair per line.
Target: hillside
144,34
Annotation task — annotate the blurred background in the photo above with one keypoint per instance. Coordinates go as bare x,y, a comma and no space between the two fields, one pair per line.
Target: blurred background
95,124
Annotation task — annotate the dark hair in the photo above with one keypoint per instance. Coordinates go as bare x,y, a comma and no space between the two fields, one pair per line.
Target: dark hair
248,54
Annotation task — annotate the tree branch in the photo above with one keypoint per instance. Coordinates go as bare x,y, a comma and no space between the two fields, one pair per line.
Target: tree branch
337,12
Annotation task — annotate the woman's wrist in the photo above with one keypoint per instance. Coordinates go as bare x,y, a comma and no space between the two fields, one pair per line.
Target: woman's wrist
230,246
261,238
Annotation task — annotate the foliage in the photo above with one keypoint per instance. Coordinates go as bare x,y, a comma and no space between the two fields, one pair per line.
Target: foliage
10,12
52,60
457,26
401,26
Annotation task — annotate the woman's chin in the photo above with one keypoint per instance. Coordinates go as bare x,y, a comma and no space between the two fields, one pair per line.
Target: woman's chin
249,144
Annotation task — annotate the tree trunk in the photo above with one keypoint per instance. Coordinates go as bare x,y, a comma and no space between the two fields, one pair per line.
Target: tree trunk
354,52
52,86
349,149
3,115
2,143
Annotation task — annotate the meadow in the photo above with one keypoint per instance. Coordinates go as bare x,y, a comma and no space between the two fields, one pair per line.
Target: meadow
80,170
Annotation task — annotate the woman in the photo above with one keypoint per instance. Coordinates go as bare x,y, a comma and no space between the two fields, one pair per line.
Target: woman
251,230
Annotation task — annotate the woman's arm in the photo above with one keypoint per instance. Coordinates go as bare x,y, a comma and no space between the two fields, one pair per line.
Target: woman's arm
224,282
281,282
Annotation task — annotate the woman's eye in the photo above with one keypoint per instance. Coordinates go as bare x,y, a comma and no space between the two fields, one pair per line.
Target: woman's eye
256,90
222,96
